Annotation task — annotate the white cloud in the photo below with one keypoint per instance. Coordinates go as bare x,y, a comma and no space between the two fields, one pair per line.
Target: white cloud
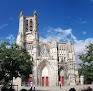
80,47
40,38
80,44
59,34
58,30
64,35
2,26
84,32
68,31
11,39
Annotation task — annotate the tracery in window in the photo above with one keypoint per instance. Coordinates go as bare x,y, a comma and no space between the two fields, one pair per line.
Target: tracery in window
44,50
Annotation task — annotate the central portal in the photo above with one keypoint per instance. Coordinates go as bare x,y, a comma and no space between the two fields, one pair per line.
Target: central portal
45,73
45,76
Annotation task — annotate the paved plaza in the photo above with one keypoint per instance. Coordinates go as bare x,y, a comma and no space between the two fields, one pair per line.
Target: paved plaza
56,88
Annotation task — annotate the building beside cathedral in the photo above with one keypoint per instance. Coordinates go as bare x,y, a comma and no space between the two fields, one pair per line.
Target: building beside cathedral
54,61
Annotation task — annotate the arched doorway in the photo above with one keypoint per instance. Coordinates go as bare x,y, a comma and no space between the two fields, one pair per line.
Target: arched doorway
63,75
44,73
45,76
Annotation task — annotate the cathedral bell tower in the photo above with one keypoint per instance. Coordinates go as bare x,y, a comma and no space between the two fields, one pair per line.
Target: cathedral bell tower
28,37
28,29
31,28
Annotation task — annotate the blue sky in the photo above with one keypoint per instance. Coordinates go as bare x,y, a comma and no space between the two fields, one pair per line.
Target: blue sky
60,19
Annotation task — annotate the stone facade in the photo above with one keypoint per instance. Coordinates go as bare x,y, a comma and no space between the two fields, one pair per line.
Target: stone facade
54,61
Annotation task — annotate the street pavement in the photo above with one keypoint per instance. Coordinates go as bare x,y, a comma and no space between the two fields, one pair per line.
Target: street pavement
57,88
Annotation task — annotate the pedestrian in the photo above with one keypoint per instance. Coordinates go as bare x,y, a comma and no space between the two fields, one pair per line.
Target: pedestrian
74,89
34,88
89,88
60,84
31,83
31,89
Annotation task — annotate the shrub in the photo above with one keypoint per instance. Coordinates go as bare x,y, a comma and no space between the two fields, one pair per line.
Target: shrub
4,88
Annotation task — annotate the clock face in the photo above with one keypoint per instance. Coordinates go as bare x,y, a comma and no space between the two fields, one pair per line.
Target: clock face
29,37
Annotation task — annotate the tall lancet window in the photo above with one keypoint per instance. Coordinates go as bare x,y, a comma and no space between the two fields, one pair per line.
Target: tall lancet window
31,25
26,25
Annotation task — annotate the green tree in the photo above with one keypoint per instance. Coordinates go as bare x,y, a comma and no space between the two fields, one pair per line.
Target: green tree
87,63
14,61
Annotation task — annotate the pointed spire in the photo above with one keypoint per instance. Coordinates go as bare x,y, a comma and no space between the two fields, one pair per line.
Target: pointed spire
21,13
68,41
35,12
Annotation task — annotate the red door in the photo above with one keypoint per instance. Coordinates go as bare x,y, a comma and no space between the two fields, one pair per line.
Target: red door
42,81
62,80
59,78
46,81
31,79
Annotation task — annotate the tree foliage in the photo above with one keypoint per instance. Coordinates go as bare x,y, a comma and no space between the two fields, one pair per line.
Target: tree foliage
14,61
87,62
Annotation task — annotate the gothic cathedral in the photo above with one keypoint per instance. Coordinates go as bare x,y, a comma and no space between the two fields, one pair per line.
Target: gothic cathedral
54,61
